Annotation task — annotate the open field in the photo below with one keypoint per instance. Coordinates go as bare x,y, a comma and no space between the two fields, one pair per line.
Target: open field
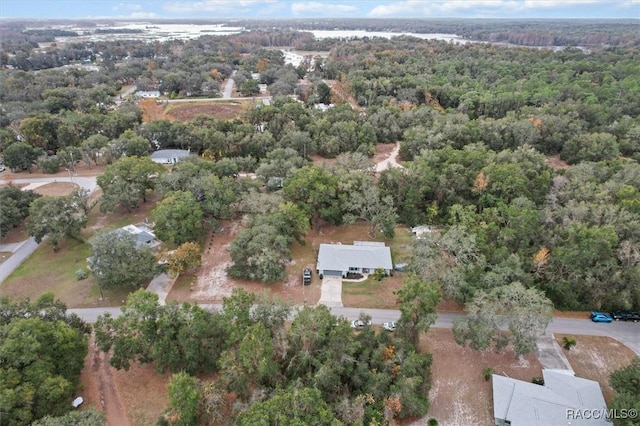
459,394
222,110
186,111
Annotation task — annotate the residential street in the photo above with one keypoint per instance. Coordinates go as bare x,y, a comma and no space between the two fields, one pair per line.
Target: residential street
25,250
625,332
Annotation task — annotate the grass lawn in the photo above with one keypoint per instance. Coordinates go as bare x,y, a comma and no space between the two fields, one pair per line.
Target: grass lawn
45,271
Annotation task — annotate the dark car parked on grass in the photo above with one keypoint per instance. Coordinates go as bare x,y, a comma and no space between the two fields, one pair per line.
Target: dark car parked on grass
625,316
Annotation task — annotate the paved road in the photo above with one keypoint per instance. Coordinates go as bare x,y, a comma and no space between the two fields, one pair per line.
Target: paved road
625,332
228,88
25,250
86,182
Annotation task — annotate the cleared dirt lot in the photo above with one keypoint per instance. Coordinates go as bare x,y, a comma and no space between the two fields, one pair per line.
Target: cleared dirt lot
459,394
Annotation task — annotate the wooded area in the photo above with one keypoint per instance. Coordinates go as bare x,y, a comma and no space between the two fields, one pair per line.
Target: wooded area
477,124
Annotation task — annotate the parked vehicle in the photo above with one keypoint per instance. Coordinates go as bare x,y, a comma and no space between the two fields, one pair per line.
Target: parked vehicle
359,324
389,326
625,316
306,276
600,317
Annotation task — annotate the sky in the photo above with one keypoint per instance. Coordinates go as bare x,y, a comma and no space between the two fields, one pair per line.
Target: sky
298,9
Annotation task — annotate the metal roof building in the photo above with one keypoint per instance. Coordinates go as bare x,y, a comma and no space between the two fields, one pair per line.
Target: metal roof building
361,257
562,400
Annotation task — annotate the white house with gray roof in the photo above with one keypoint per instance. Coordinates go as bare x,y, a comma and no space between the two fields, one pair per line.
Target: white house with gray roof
169,156
362,257
562,400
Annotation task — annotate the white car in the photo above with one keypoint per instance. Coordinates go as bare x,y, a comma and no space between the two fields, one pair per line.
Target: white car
389,326
359,323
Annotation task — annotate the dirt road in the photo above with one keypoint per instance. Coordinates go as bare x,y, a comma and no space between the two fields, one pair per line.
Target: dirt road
100,389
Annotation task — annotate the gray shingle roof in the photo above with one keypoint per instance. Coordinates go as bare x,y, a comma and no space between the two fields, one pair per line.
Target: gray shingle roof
340,257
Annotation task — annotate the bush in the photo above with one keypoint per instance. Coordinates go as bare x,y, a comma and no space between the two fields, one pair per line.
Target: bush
432,422
486,373
379,274
568,342
81,274
50,164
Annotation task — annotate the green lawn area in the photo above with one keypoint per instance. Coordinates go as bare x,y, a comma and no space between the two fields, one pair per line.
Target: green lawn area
45,271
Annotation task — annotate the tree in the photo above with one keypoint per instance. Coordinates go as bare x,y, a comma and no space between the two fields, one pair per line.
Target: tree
249,87
178,218
41,356
174,337
88,417
314,190
370,206
91,148
251,363
116,260
185,258
260,253
527,311
14,207
125,182
418,301
20,156
58,217
184,396
626,383
288,408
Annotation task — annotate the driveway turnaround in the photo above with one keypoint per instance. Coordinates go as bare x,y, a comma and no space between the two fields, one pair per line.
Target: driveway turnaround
331,292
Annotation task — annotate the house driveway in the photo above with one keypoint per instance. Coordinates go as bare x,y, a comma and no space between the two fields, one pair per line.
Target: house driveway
551,356
331,292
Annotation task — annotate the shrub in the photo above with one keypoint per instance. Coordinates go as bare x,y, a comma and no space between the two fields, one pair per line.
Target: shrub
432,422
486,373
568,342
379,274
50,164
81,274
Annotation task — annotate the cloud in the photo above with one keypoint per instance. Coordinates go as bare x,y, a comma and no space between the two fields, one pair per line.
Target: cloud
306,8
214,5
535,4
399,8
143,15
127,6
490,8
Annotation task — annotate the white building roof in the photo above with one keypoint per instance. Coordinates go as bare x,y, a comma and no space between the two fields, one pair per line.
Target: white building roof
169,153
340,257
560,401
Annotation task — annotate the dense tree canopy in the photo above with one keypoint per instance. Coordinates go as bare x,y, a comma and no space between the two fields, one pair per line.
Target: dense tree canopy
118,261
42,352
58,218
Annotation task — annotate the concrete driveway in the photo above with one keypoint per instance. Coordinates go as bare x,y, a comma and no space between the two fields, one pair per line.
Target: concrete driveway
331,292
